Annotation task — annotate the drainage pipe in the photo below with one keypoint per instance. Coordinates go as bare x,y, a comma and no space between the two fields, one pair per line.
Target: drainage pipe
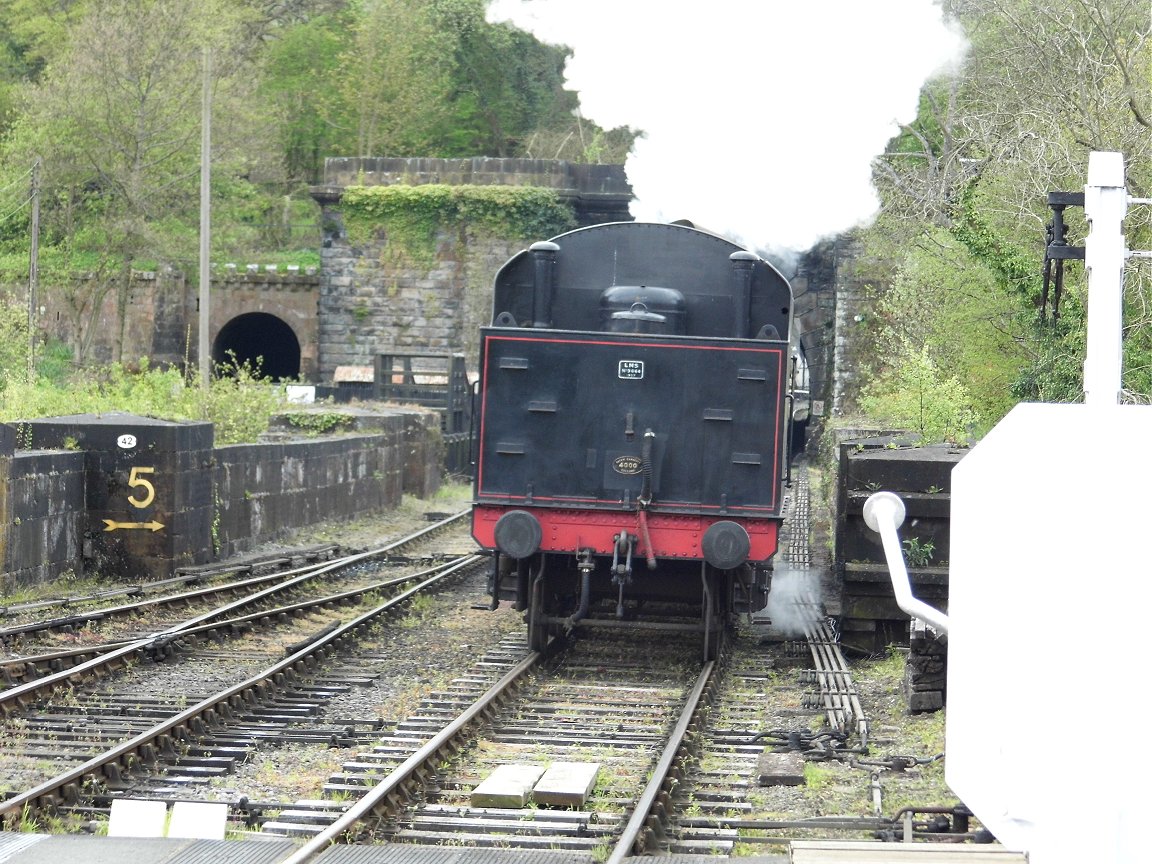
884,513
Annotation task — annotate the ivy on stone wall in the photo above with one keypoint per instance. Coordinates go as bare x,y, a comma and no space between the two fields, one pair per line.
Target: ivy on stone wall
411,215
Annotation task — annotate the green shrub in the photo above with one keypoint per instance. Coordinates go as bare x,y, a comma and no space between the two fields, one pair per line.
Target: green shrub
239,402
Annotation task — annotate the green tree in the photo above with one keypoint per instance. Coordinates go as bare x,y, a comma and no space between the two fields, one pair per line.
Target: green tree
942,297
394,80
505,82
964,190
916,395
302,67
39,28
117,119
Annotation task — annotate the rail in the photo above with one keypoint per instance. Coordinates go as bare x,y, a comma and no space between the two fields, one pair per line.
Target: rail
143,747
422,762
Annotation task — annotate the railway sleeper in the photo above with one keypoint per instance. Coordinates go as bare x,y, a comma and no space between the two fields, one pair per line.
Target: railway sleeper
351,679
356,775
339,785
223,752
533,827
705,845
278,717
325,691
225,763
191,776
307,817
557,842
291,829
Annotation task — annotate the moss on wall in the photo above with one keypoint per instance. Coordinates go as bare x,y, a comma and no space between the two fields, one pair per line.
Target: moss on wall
410,216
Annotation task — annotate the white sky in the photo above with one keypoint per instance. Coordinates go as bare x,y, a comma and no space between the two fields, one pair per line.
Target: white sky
761,117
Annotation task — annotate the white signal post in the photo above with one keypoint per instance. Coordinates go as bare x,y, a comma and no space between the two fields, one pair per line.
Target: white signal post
1105,205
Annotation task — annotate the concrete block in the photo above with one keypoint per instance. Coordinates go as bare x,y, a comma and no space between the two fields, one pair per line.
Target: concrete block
780,769
198,820
566,784
507,786
130,817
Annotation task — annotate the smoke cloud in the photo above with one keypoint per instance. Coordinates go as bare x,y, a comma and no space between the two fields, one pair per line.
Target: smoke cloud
761,118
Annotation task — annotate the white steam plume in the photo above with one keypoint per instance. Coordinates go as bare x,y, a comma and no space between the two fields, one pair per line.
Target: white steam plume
761,118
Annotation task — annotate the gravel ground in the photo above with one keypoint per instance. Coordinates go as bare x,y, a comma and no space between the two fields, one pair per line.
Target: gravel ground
419,654
424,651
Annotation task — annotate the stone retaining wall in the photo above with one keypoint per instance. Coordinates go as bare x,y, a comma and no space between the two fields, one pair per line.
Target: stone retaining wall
120,496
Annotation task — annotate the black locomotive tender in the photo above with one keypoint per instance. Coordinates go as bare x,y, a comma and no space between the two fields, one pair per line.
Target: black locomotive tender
633,429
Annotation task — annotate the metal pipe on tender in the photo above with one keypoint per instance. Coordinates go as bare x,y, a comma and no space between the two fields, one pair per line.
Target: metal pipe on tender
743,263
544,260
585,599
884,513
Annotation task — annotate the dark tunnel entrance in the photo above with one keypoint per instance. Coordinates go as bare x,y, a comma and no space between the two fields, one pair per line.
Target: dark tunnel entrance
259,335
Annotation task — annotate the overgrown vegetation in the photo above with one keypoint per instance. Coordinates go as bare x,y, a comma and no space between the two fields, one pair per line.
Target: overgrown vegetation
101,105
411,215
955,257
318,422
239,402
105,99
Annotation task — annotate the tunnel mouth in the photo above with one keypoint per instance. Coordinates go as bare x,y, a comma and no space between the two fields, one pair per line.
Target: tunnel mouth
260,342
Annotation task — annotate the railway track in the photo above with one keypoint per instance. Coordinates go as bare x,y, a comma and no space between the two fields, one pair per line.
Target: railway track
33,675
601,701
177,594
63,718
678,746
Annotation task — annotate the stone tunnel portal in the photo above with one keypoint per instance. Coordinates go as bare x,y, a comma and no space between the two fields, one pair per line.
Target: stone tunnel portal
258,336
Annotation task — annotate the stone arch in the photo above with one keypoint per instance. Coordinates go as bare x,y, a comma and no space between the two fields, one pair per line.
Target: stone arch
259,335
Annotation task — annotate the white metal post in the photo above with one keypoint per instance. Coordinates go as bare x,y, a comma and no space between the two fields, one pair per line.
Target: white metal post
1105,204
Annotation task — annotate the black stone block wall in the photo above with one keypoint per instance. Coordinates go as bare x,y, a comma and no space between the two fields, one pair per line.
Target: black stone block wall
147,490
264,491
129,497
46,498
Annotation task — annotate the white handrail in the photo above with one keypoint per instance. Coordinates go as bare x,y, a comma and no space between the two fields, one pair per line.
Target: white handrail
884,513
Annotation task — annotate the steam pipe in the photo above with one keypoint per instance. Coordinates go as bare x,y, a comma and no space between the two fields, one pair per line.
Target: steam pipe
884,513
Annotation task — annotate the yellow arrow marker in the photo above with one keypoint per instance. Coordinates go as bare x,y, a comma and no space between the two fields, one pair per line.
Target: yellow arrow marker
111,525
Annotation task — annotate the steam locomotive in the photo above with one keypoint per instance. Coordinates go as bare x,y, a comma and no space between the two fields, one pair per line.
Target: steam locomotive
633,425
